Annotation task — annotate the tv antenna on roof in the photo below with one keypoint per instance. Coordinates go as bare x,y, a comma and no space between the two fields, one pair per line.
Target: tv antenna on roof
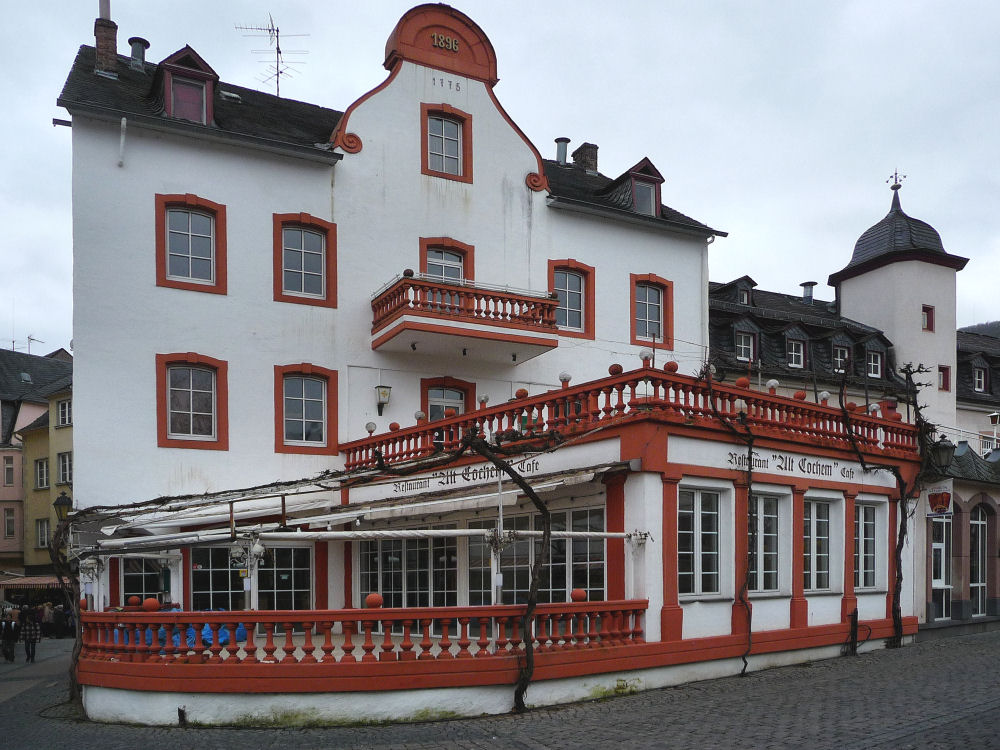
279,66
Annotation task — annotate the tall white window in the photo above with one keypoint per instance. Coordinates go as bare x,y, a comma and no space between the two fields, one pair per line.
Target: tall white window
645,198
796,351
698,550
303,262
65,467
445,264
840,356
979,379
64,413
763,543
141,577
874,360
42,532
305,409
816,545
9,527
190,245
410,572
978,560
215,583
284,578
569,291
648,311
8,470
439,400
41,473
745,347
941,567
191,402
864,546
444,145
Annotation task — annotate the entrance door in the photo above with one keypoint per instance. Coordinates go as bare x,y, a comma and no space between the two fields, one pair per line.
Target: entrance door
941,567
977,560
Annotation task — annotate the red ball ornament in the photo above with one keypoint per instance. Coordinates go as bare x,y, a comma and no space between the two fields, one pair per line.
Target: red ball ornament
374,600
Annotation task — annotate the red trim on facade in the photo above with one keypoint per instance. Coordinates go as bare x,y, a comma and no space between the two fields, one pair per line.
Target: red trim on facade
410,325
928,312
221,367
332,402
442,38
741,617
115,582
667,310
218,211
202,74
467,388
462,118
798,613
350,142
468,253
329,232
672,615
536,181
614,509
891,561
589,282
321,561
348,573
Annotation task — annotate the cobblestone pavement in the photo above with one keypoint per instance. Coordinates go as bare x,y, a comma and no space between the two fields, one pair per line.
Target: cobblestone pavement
934,695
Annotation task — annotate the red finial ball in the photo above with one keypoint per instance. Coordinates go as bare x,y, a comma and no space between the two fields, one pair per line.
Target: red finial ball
743,382
670,366
521,393
133,601
615,369
799,395
450,412
151,604
83,605
393,426
373,600
578,595
851,406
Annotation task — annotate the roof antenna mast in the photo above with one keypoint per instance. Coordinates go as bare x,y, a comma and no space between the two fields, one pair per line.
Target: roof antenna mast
278,66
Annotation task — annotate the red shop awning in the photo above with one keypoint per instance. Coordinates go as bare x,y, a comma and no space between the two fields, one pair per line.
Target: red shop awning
31,582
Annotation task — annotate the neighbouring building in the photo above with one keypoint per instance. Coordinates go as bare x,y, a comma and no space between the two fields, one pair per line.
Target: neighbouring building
323,308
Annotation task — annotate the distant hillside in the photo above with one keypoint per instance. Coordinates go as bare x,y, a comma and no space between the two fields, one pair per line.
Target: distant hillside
987,329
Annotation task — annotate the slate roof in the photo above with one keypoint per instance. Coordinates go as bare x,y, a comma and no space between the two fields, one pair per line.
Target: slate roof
770,315
989,329
257,118
970,466
978,350
572,183
41,422
896,237
43,372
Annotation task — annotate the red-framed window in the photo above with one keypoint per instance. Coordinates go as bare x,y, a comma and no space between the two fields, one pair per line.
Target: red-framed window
192,401
927,317
652,304
305,409
944,378
190,243
439,394
445,142
447,259
573,284
305,260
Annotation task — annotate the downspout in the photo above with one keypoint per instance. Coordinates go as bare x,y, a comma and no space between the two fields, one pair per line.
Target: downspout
121,144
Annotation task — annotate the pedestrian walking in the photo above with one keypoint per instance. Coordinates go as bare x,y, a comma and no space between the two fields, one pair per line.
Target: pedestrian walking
31,634
10,631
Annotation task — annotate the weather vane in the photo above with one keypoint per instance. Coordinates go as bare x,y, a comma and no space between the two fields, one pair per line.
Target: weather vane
279,67
896,180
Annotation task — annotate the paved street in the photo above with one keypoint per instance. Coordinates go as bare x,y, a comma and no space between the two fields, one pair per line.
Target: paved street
941,694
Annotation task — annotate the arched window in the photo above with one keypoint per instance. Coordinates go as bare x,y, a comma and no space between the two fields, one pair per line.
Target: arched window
978,560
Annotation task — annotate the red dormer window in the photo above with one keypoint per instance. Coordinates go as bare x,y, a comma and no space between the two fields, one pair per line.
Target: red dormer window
188,87
646,181
645,198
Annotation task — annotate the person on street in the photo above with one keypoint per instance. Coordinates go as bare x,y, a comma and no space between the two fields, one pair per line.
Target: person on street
10,631
31,634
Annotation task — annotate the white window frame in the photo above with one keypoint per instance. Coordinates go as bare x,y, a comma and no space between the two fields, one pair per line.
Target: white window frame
8,471
744,296
41,473
987,444
841,356
41,533
648,312
440,398
866,546
979,379
745,343
944,378
873,362
236,591
565,294
292,256
190,233
941,564
190,412
305,403
443,263
816,563
760,541
795,350
979,560
148,568
698,536
645,197
437,145
64,412
9,523
65,467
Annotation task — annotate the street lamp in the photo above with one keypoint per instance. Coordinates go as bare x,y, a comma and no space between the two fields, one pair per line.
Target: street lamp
940,455
63,505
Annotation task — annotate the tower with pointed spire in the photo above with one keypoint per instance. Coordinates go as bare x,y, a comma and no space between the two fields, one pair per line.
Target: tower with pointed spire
902,280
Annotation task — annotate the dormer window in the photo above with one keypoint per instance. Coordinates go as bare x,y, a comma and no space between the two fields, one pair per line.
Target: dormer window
979,379
744,296
645,198
187,100
840,357
796,353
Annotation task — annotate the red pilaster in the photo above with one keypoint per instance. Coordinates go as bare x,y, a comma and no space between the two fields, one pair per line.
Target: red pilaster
849,602
348,575
114,582
740,622
891,562
671,615
321,560
798,615
614,488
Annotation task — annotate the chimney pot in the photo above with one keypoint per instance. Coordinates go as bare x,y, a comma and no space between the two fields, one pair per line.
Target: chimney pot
586,156
139,47
561,149
807,291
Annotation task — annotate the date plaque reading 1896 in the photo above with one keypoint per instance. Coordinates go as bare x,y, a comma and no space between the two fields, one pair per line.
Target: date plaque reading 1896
441,41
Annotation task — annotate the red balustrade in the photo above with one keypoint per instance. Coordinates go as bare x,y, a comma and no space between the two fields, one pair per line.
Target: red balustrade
650,393
471,303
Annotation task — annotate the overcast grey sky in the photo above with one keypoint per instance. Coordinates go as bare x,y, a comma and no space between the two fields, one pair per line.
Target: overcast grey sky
776,121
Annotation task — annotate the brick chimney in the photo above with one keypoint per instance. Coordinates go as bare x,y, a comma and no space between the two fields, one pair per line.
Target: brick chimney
106,41
586,156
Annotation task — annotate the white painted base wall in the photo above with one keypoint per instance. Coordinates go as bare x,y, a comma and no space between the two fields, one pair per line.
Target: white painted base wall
291,709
